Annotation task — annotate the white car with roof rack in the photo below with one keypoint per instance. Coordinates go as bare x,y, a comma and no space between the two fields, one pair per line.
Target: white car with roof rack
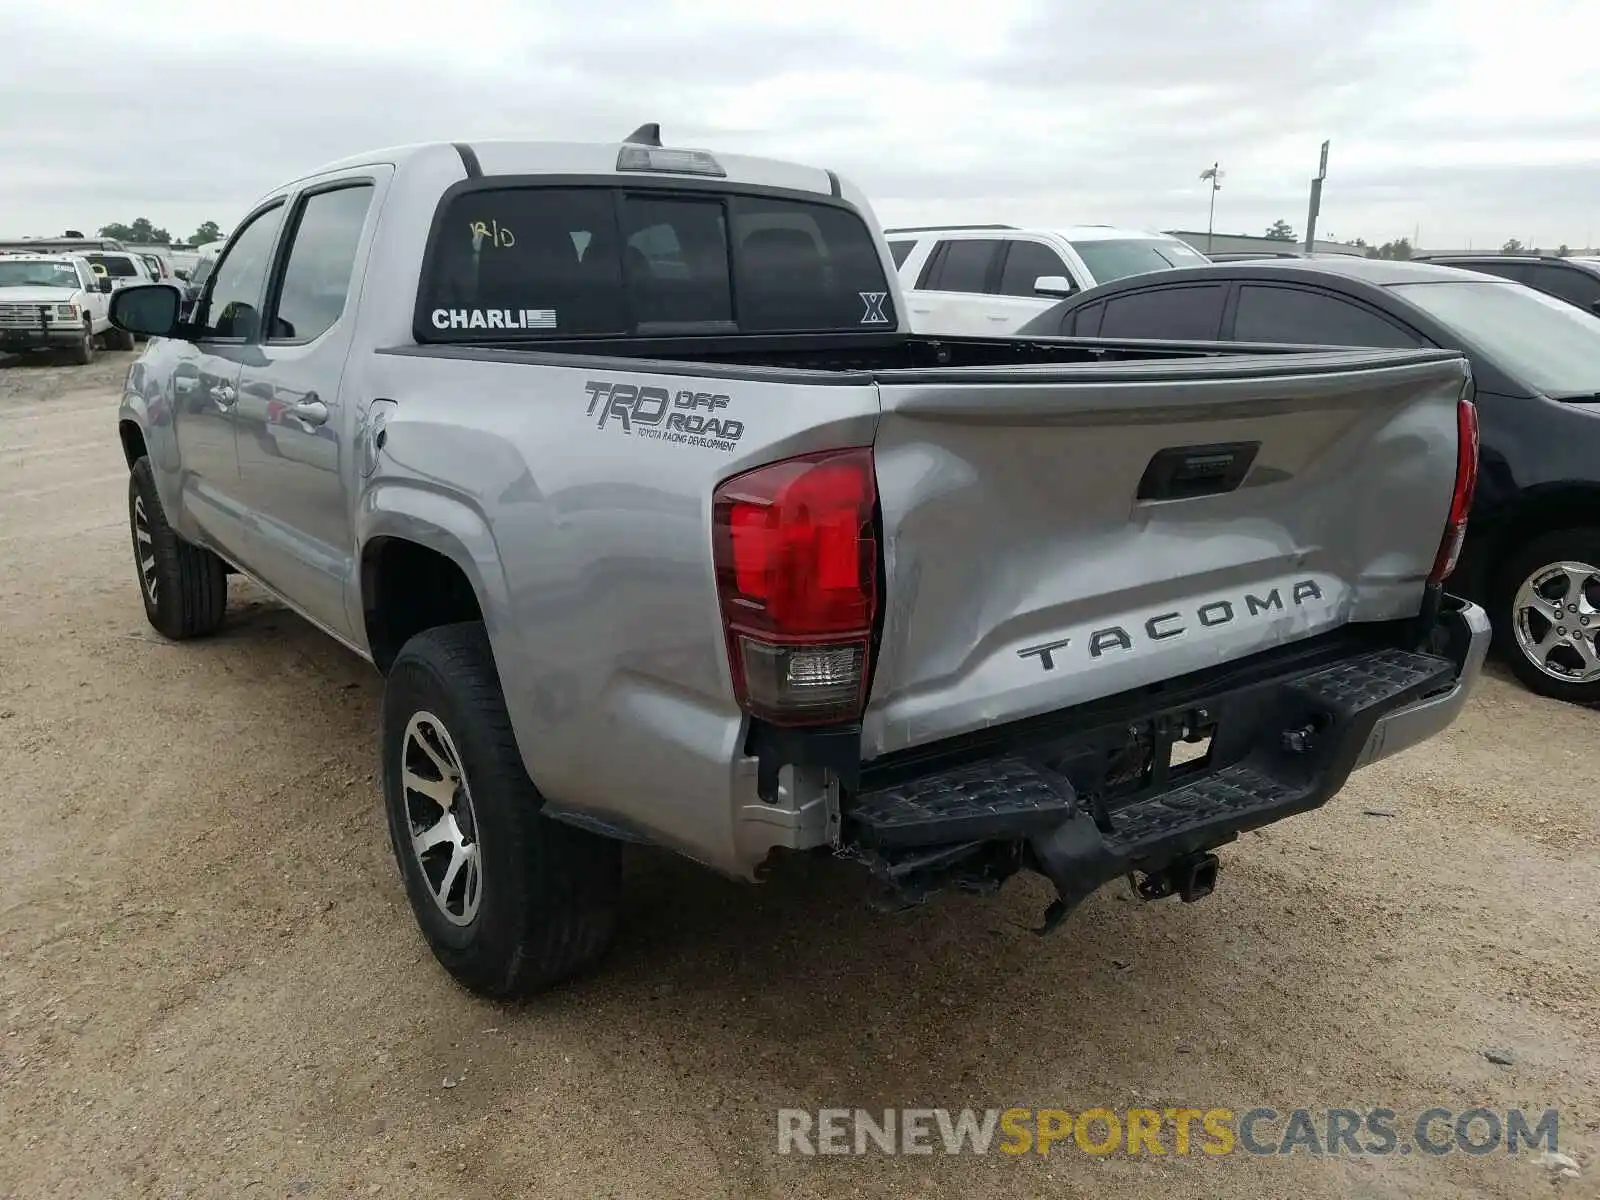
973,280
55,302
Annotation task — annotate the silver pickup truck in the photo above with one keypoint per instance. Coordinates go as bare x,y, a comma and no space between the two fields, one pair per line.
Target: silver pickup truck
622,465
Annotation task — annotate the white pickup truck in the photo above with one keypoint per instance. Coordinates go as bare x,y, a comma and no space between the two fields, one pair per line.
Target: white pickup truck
621,463
55,302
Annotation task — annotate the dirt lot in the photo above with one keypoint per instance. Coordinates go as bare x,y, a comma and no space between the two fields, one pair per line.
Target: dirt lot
211,985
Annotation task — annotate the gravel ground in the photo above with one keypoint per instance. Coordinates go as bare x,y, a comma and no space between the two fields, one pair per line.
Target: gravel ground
211,985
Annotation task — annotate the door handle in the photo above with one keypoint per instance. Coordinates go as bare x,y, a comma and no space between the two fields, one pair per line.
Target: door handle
223,394
310,410
992,317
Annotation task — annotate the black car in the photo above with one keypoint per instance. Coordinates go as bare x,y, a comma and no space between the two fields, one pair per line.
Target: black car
1532,555
1575,280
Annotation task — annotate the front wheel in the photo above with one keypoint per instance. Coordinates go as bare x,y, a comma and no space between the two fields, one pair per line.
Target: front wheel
1547,614
510,902
120,339
185,587
82,352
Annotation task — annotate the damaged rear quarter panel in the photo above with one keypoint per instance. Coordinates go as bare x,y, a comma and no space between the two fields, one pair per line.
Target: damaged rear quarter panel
596,506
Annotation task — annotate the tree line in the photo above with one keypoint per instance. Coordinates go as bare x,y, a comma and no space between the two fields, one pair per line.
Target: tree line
142,232
1401,248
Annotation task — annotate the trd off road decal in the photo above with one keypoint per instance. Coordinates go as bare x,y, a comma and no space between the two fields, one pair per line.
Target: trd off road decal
686,417
874,314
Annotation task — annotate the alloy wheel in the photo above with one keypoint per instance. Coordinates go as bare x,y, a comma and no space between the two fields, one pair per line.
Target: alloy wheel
440,820
1556,615
144,550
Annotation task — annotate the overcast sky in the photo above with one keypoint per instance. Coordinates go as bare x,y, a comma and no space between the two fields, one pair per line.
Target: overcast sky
1473,122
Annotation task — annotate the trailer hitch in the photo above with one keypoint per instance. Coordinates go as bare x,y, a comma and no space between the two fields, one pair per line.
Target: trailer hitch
1190,878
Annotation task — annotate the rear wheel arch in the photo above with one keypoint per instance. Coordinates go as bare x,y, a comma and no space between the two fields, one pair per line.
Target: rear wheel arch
408,587
1536,512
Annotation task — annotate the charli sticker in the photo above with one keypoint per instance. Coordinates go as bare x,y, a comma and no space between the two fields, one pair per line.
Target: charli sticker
494,318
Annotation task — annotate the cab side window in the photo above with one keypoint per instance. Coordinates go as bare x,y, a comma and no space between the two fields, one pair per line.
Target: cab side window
960,265
1189,313
1025,263
1572,284
1515,271
1084,322
322,257
1301,317
231,306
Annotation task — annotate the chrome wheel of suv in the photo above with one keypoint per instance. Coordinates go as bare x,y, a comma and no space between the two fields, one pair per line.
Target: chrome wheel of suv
1556,612
444,833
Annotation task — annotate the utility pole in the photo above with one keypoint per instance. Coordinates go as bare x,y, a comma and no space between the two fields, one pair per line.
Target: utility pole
1316,201
1214,174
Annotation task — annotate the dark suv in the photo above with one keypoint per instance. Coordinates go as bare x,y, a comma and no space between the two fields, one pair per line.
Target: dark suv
1575,280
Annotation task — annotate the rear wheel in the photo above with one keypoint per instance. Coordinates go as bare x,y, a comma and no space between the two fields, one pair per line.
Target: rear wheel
184,587
509,901
1547,614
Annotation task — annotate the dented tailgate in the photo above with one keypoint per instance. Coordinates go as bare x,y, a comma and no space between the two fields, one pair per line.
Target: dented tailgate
1053,535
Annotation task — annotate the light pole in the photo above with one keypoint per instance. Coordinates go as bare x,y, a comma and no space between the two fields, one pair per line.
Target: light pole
1214,174
1316,201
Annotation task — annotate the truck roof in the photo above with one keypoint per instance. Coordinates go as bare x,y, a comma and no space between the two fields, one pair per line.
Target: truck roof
514,157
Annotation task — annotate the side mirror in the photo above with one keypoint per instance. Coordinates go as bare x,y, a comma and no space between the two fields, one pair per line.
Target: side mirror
104,284
182,274
146,309
1053,285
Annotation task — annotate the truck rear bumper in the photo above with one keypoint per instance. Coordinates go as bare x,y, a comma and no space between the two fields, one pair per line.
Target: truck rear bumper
1466,631
1092,805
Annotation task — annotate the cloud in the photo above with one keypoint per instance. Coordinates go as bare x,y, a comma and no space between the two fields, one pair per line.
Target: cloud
1040,112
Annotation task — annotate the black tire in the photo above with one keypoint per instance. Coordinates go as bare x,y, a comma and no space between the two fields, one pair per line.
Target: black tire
82,352
190,583
547,893
1580,545
120,339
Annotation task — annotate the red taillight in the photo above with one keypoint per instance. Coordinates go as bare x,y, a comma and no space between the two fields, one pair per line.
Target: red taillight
1455,530
797,575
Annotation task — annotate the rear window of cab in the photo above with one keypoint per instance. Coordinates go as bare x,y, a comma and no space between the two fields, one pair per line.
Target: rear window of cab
528,261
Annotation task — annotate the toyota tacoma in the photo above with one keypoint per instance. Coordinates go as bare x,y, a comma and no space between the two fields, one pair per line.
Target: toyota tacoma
623,466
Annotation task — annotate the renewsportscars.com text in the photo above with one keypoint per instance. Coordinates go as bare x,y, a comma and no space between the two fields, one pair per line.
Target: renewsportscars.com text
1175,1131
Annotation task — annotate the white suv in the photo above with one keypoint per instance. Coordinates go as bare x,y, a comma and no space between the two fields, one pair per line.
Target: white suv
992,279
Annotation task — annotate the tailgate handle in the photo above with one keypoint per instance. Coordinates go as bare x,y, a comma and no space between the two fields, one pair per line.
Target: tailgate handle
1181,472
